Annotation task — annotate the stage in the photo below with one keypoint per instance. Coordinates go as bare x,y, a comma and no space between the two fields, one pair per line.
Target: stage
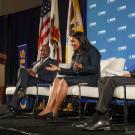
28,125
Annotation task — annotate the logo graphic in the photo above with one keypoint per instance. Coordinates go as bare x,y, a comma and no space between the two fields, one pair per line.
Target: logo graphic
122,48
93,42
110,20
131,36
110,1
122,28
92,24
121,8
102,51
23,104
111,39
131,15
101,13
92,6
101,32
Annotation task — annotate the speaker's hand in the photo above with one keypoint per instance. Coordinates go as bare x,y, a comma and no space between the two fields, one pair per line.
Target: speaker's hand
31,72
53,68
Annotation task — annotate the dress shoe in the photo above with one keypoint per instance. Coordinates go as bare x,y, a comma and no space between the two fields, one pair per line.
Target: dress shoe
82,123
45,116
79,124
8,115
98,125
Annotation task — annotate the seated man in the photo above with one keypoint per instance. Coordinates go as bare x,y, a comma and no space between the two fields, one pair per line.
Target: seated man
106,86
30,77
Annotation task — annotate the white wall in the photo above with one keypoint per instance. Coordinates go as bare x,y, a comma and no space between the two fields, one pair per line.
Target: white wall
12,6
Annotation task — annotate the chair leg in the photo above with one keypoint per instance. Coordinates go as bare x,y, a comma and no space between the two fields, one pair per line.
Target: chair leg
79,109
126,113
34,106
85,106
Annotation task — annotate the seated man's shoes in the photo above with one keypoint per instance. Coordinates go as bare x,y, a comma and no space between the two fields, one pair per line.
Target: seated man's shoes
79,124
8,115
84,123
98,125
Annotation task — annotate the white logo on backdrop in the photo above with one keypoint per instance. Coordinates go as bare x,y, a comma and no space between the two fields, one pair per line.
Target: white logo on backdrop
111,39
92,6
110,1
102,50
131,56
130,36
131,15
93,42
110,20
121,8
122,28
101,13
122,48
101,32
92,24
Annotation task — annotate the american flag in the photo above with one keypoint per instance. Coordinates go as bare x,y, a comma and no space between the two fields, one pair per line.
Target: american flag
45,24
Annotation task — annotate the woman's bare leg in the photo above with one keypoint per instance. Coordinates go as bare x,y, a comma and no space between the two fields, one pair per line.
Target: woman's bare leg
61,94
52,97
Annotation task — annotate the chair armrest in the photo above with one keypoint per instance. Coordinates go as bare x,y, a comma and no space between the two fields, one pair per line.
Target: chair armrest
125,91
43,85
129,83
87,84
83,84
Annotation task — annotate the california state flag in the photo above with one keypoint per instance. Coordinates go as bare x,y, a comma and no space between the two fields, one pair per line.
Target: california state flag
55,43
74,24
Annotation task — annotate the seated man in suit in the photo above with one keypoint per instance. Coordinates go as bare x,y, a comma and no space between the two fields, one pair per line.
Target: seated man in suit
106,86
30,77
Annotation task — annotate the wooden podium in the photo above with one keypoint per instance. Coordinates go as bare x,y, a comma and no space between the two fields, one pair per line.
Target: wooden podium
3,59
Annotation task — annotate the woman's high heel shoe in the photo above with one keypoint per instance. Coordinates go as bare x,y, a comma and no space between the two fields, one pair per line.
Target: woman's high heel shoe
45,116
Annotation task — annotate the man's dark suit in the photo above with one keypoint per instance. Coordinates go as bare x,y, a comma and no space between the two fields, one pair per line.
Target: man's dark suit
106,89
25,80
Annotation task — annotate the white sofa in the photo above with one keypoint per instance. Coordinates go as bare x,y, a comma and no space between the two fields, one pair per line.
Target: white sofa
108,67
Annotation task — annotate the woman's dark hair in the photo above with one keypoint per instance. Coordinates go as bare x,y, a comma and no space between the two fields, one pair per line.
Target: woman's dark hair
84,43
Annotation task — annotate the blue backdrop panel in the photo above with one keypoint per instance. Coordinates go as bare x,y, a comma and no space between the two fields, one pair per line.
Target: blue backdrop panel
111,28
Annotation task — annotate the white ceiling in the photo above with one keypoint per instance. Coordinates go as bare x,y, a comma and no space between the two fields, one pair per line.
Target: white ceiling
12,6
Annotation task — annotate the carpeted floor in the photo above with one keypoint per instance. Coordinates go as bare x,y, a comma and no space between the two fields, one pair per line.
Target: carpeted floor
63,126
28,125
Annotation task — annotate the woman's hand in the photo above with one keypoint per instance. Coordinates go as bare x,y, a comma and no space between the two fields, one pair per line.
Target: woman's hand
77,66
53,68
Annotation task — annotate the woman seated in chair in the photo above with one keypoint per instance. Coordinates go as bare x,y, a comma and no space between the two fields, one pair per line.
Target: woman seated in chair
85,68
